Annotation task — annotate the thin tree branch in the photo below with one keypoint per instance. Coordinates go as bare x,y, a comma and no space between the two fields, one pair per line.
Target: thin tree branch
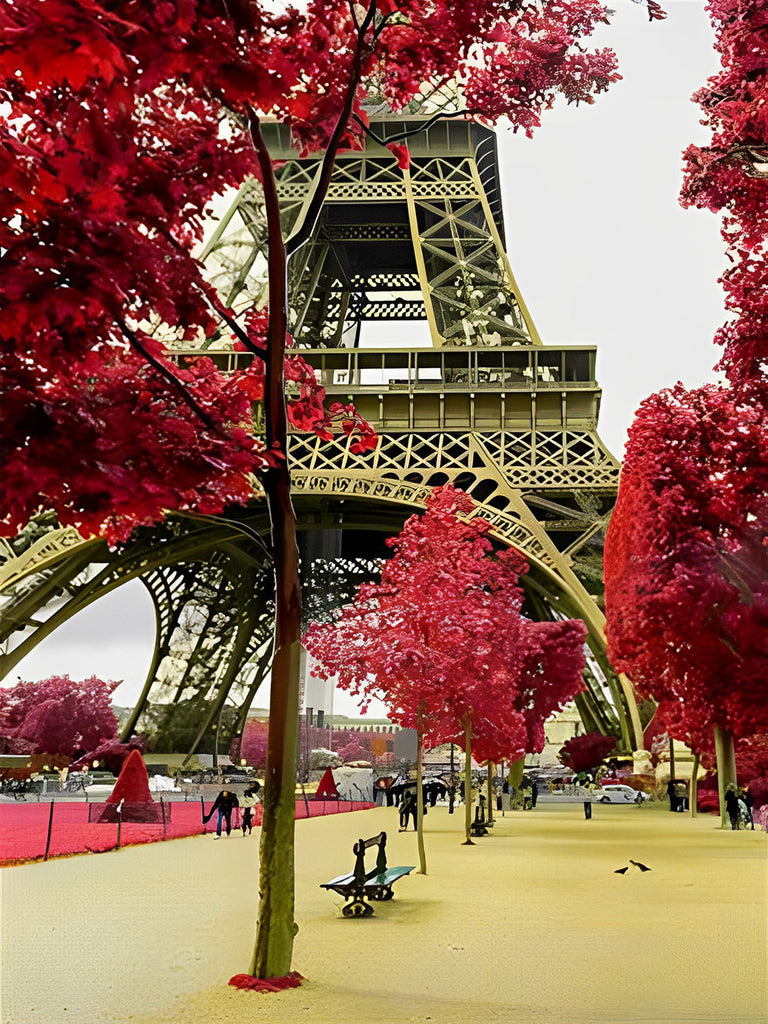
382,25
246,531
172,379
410,131
302,235
237,330
213,301
274,396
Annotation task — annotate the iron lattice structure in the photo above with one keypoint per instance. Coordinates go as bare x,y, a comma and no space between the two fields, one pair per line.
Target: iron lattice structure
485,406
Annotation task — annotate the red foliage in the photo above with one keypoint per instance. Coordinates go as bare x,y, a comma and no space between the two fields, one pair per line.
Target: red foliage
120,122
251,984
253,746
132,783
586,753
686,557
686,560
57,715
731,174
441,639
354,751
110,755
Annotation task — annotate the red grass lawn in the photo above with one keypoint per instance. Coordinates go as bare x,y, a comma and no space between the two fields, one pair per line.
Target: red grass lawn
24,826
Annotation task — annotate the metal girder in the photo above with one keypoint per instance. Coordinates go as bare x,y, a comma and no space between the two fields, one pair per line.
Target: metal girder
488,408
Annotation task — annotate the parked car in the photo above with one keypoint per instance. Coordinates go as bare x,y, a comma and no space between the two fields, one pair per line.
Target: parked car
620,795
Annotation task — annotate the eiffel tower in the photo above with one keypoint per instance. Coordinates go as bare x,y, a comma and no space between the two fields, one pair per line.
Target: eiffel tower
483,405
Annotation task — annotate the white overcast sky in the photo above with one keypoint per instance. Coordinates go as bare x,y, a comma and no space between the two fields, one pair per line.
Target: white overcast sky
603,255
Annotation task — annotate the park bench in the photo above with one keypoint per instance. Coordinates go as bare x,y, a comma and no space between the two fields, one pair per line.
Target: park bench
360,885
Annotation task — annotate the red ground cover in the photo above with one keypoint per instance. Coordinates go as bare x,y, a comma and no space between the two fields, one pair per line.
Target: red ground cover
24,826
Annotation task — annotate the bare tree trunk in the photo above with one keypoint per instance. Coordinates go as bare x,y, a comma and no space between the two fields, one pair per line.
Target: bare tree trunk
276,927
452,790
420,803
516,770
726,769
490,792
693,794
468,783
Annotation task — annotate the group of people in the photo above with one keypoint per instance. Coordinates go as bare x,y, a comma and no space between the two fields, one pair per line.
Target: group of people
226,803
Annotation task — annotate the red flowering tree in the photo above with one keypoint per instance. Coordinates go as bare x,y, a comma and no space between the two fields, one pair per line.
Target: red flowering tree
686,564
586,753
57,716
121,120
253,746
685,556
442,642
731,175
354,751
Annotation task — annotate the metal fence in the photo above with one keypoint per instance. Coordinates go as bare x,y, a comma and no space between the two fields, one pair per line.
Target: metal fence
39,830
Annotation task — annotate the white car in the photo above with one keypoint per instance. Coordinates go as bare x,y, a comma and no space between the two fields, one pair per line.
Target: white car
620,795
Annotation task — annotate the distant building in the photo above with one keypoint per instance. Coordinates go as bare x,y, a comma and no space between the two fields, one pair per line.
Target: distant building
363,724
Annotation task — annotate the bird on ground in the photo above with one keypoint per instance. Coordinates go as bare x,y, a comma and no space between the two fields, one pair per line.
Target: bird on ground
632,863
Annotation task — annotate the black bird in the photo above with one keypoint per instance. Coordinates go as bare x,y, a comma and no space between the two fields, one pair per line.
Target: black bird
632,863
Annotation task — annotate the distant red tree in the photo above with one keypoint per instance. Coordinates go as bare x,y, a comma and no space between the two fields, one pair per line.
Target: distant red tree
586,753
686,562
354,751
58,715
442,642
253,746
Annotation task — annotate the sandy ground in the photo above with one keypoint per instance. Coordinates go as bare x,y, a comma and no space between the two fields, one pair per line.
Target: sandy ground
529,925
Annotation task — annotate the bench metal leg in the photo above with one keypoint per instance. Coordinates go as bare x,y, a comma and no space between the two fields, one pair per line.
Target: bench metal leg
385,893
357,908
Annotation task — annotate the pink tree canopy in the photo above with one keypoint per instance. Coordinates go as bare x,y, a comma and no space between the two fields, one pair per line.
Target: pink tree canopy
441,639
686,563
58,715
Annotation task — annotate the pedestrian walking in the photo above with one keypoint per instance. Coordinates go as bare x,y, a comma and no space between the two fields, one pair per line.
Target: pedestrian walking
674,800
224,804
408,809
409,799
589,788
248,801
746,796
732,805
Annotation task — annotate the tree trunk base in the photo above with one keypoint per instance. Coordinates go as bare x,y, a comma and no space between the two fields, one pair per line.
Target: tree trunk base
251,984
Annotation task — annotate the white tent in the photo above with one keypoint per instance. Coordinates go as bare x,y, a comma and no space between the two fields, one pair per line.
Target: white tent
354,783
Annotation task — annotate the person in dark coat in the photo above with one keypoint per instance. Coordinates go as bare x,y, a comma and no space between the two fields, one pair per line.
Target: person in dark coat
409,809
673,798
224,803
732,806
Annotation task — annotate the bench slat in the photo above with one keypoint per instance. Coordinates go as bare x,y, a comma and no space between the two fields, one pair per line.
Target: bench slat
341,880
388,876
